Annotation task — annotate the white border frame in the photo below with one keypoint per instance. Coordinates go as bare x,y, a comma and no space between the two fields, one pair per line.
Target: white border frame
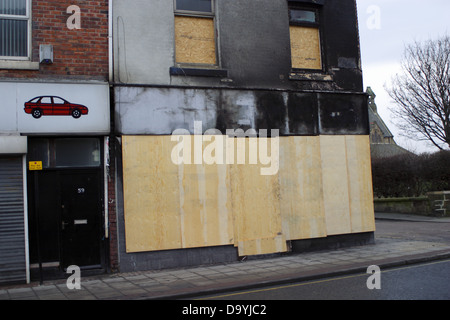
25,216
27,17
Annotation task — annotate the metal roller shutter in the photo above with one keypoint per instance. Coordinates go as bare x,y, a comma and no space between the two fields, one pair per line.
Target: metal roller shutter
12,225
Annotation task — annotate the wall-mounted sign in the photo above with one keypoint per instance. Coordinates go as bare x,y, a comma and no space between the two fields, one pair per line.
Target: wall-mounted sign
35,165
55,108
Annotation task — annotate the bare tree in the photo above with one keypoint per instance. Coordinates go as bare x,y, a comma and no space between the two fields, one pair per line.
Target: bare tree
422,92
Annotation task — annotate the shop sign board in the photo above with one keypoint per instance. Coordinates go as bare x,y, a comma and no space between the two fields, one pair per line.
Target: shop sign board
55,108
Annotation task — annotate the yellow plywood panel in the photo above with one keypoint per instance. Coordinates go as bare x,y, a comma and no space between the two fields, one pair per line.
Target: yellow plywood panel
262,246
305,48
335,184
360,184
192,206
301,194
170,206
323,187
195,40
205,209
255,205
151,195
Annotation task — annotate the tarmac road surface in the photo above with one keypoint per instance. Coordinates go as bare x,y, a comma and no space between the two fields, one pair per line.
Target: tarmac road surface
413,230
426,281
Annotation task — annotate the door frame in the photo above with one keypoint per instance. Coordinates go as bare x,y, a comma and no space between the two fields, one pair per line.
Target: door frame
52,272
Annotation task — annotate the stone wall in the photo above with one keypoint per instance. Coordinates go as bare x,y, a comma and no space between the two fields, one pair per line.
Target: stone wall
433,204
439,203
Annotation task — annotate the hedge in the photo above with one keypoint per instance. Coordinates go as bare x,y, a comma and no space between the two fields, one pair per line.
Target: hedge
411,175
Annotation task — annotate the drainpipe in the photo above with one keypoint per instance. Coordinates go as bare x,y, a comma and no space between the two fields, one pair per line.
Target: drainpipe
107,139
106,170
110,41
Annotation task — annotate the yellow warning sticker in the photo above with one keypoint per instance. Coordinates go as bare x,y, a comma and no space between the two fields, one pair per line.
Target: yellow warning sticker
35,165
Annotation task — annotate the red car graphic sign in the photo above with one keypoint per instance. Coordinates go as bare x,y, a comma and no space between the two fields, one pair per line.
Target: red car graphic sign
54,106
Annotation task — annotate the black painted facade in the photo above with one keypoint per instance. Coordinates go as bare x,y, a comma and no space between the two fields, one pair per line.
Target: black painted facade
255,47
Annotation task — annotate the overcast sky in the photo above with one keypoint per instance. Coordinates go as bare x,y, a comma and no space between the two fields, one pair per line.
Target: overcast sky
385,27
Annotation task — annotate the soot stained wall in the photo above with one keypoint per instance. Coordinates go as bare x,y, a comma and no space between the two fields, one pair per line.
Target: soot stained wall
160,111
253,47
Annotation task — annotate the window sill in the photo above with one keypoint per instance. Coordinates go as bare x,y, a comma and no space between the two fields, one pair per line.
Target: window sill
310,76
19,65
198,72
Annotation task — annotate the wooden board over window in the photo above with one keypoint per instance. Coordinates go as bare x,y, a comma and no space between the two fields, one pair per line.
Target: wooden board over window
195,40
305,48
323,188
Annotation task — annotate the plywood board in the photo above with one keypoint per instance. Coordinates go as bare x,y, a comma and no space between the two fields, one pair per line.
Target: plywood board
151,195
305,48
335,184
255,205
322,188
170,206
301,193
206,218
262,246
360,184
195,40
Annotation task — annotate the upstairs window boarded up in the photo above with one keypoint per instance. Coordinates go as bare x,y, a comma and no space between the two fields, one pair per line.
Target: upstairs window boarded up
195,36
306,52
194,40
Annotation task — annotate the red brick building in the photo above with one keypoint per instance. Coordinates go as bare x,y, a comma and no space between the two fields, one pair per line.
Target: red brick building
80,54
57,204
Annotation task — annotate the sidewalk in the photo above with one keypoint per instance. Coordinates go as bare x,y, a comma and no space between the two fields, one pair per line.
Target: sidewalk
188,282
410,217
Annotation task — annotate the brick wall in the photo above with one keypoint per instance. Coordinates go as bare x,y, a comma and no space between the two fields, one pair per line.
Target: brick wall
78,53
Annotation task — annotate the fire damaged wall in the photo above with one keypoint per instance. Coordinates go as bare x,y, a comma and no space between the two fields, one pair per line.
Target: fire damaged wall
175,214
253,47
156,111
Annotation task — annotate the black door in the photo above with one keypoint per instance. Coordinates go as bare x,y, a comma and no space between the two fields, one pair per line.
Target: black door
65,205
80,218
44,217
65,220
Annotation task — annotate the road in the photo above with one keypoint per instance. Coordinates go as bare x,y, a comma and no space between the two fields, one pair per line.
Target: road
429,281
411,230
